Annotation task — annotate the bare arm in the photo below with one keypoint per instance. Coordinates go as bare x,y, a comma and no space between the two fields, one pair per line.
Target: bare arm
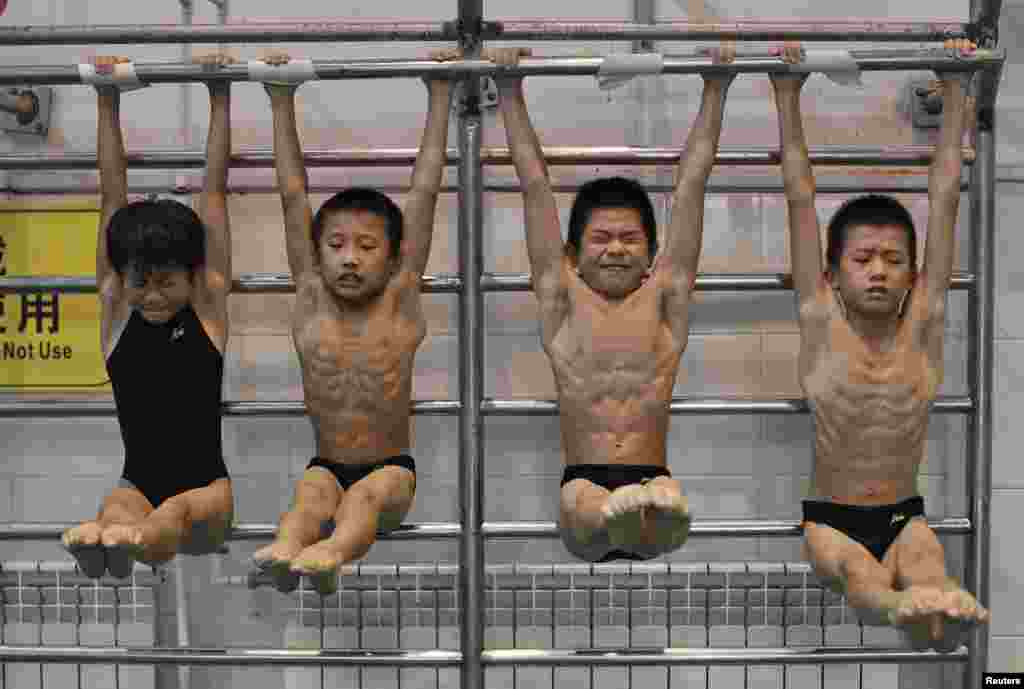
944,196
677,266
113,180
213,203
798,179
426,175
292,181
543,233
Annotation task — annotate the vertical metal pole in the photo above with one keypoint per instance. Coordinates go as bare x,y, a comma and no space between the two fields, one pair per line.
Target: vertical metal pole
981,315
471,363
981,363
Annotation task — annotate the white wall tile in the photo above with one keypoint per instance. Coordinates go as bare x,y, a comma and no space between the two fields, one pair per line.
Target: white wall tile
51,499
1007,400
1006,654
1006,564
89,446
1008,245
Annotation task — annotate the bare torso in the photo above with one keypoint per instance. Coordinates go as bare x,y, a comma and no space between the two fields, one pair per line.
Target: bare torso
357,370
615,366
870,405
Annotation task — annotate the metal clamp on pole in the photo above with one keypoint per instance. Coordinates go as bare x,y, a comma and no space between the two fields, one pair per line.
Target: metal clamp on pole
26,110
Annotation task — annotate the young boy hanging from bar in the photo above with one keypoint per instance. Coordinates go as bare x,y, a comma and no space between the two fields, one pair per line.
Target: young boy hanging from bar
870,364
614,324
163,274
357,323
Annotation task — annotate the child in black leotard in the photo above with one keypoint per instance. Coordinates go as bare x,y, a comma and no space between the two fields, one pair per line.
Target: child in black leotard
163,274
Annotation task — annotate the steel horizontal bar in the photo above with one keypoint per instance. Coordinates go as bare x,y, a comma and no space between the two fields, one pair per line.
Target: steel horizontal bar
240,532
248,32
279,283
870,30
105,407
163,73
240,657
707,405
718,656
19,408
228,656
441,530
171,159
707,528
895,186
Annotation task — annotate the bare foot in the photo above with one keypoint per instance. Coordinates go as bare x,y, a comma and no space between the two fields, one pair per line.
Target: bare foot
84,542
624,514
276,560
960,614
123,543
320,563
669,516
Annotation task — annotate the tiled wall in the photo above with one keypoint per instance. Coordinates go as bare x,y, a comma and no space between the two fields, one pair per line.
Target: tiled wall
745,344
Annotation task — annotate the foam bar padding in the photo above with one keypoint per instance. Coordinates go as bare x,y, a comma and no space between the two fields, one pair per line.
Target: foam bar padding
618,68
289,73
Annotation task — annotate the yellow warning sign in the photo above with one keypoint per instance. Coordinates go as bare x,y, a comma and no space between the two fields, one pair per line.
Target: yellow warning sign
49,339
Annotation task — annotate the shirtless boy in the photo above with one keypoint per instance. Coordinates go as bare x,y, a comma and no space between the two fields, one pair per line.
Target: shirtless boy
357,324
870,364
614,326
163,275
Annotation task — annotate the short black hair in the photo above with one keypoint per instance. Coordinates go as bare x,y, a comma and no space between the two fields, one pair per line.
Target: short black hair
362,199
143,236
612,192
870,209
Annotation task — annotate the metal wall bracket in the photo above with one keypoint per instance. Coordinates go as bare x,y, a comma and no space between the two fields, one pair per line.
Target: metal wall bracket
36,121
925,105
487,96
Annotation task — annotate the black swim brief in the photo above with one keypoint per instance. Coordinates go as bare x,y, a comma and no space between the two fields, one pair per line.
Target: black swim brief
347,474
874,527
611,477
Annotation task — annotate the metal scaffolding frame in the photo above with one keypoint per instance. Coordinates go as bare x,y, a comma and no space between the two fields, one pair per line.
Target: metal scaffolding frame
469,29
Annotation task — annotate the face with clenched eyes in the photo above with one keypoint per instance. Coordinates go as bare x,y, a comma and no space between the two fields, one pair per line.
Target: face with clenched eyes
613,258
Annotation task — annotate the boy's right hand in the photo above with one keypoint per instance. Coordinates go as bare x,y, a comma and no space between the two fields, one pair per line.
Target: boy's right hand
792,53
104,64
278,57
505,57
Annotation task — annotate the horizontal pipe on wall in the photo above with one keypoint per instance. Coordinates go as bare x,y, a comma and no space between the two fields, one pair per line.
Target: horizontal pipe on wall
707,528
893,185
50,408
717,656
238,657
938,60
864,30
869,30
440,283
254,657
440,530
171,159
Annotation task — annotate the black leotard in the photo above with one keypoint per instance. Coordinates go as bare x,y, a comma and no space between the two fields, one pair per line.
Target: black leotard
167,385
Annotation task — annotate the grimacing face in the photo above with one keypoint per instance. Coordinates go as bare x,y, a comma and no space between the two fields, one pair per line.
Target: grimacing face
875,273
613,258
160,295
355,255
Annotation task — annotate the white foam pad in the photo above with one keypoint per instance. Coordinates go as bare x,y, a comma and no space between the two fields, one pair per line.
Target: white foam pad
618,68
291,72
838,65
122,76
